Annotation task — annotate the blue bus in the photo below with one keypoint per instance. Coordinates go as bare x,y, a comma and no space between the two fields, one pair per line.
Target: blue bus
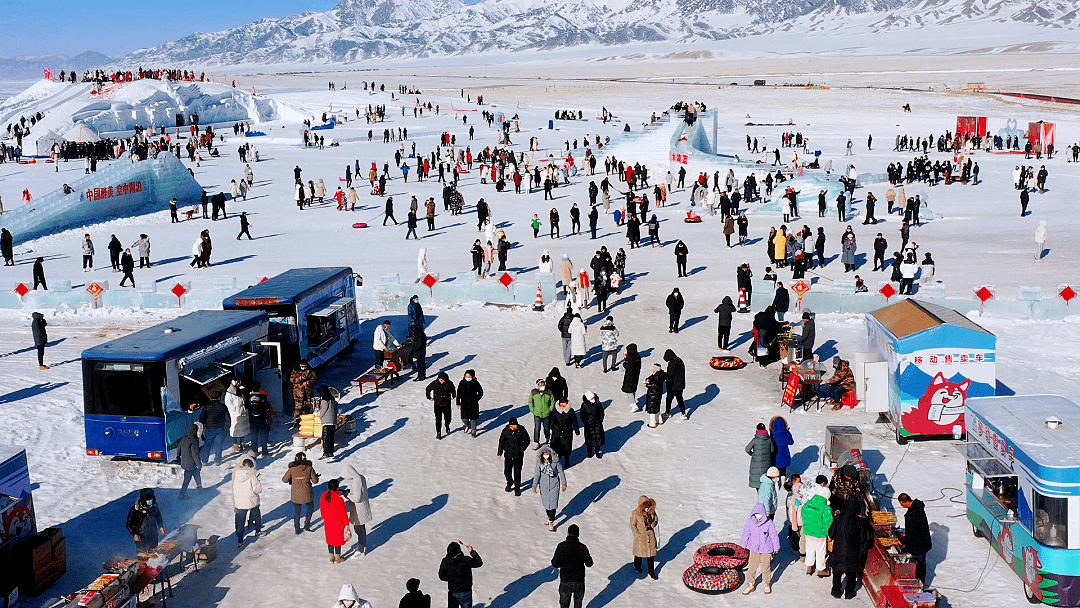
142,391
312,316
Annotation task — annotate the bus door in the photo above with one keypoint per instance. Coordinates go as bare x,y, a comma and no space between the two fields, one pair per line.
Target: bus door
270,374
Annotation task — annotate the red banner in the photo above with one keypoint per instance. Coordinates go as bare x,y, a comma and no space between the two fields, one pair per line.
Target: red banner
790,389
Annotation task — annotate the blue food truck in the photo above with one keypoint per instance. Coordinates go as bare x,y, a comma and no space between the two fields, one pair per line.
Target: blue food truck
312,316
142,391
1023,489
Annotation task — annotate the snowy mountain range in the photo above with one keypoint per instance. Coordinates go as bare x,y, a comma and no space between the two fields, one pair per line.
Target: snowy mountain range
15,68
359,30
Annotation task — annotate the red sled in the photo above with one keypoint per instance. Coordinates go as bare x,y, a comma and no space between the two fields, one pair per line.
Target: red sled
359,225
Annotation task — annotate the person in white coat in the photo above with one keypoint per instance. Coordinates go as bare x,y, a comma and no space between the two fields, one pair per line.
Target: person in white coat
196,252
239,425
348,598
577,339
421,265
246,488
1040,239
381,342
356,500
546,265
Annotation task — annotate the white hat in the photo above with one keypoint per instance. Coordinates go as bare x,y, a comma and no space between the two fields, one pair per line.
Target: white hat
590,395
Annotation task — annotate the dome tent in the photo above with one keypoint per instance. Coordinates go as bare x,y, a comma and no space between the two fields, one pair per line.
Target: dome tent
81,133
46,141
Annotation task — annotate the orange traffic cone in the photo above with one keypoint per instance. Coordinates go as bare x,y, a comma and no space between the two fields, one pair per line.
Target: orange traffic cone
742,301
539,305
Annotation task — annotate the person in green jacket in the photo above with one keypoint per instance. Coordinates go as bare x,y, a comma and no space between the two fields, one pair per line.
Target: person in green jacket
535,223
816,516
541,404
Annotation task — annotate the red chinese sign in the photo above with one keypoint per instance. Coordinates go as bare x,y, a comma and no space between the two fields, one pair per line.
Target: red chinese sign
790,390
800,287
179,290
984,294
680,158
95,290
1067,294
998,443
506,279
22,289
888,291
97,194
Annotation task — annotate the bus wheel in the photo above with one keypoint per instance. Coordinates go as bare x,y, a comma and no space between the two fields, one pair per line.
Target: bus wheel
1031,596
975,531
900,439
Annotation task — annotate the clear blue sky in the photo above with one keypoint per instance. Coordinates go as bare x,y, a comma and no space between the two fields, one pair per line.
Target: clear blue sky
117,27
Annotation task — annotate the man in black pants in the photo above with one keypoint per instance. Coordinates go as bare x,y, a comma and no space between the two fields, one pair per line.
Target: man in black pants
512,444
676,382
441,393
389,212
41,338
571,558
917,539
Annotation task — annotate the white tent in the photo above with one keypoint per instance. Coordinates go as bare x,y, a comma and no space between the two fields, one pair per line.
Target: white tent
81,133
46,141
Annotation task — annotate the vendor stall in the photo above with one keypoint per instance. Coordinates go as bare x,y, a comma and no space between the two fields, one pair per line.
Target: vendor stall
1041,133
29,561
1023,489
937,359
971,125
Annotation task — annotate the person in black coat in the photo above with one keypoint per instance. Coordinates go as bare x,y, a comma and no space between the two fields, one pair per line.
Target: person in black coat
190,460
592,418
723,332
564,425
571,558
819,247
676,382
441,393
849,534
417,342
768,328
414,598
513,442
114,253
144,521
7,247
808,336
597,263
681,252
469,394
880,245
631,374
1023,202
674,304
127,265
917,539
744,274
456,569
39,274
654,394
781,301
594,217
556,384
41,337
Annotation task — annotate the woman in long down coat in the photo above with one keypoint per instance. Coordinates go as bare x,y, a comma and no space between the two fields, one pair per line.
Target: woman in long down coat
762,450
356,501
643,523
848,257
548,480
577,339
335,519
564,425
469,394
631,375
592,418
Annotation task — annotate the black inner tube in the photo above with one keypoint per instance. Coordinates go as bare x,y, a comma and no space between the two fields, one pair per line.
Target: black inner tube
711,571
722,552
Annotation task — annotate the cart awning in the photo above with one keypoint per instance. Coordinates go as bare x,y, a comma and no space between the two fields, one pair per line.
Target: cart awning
205,375
985,463
330,309
236,359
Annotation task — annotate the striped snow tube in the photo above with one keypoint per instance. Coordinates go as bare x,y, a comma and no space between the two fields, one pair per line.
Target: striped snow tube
726,362
721,555
711,579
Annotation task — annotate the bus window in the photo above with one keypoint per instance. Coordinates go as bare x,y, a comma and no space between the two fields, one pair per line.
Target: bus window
1051,519
323,326
128,389
1004,491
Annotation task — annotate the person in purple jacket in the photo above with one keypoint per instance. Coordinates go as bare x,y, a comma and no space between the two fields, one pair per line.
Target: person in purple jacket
759,537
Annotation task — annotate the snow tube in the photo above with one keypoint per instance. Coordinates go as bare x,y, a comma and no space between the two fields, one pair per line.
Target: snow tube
727,362
721,555
359,225
692,220
711,579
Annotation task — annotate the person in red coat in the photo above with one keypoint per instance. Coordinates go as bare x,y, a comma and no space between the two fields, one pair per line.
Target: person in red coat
335,520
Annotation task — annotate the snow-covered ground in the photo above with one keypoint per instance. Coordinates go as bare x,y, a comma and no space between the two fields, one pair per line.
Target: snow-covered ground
426,493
